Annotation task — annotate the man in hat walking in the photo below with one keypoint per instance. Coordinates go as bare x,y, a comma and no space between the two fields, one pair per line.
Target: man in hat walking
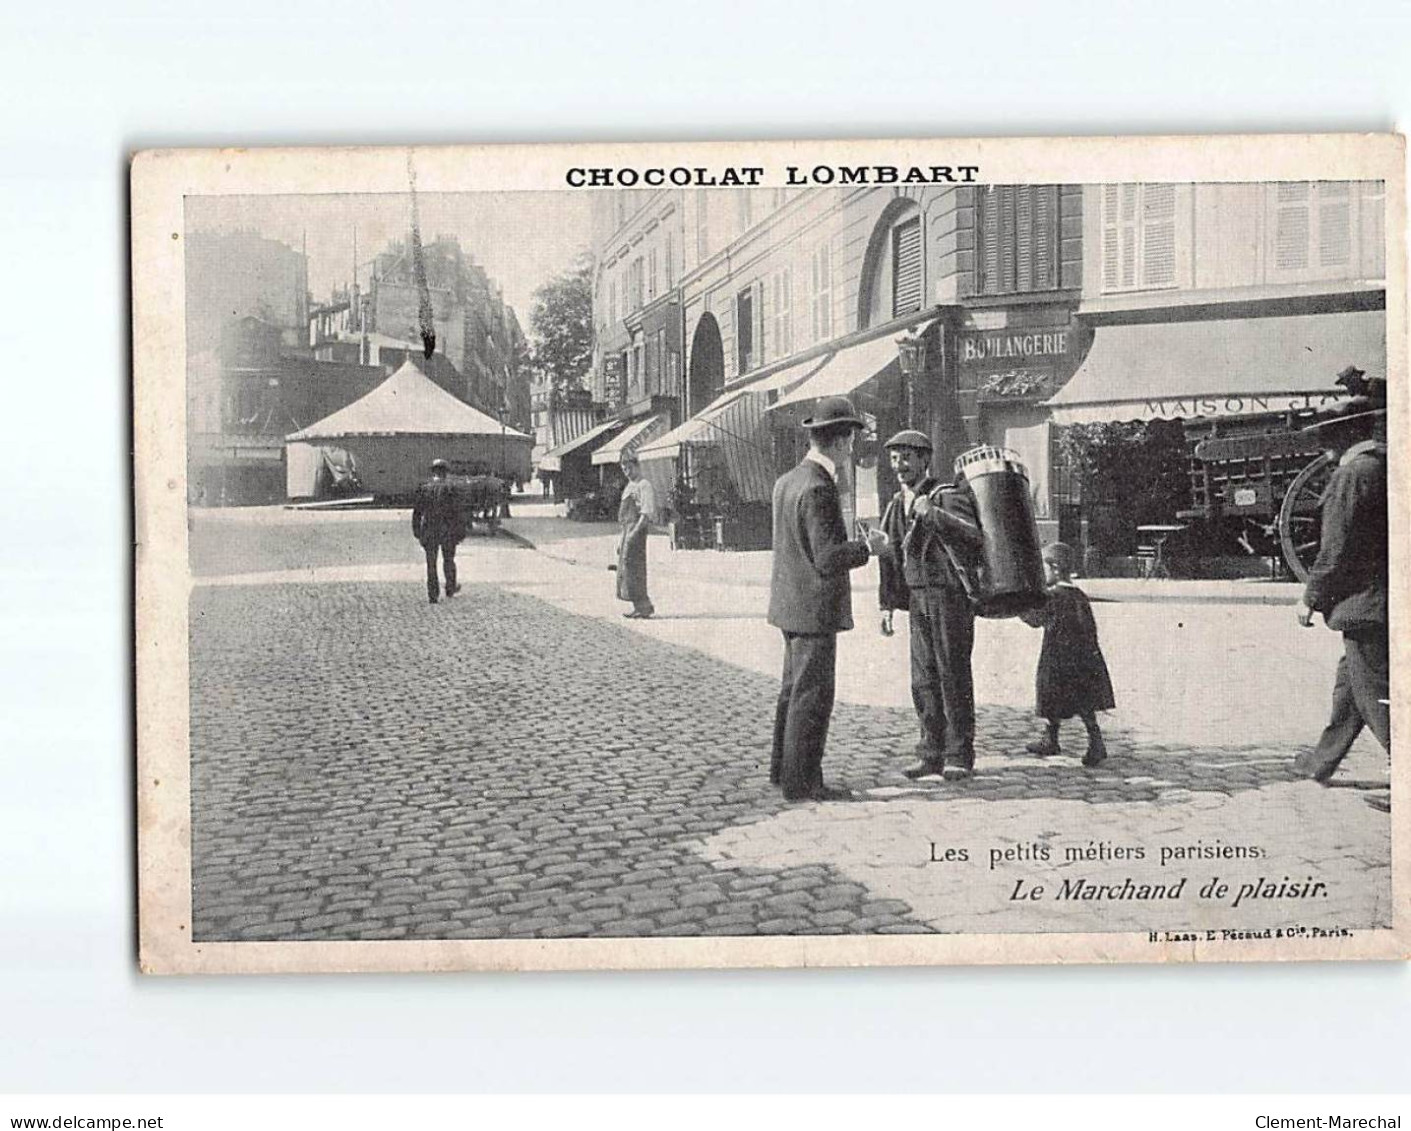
1348,583
438,523
931,533
810,597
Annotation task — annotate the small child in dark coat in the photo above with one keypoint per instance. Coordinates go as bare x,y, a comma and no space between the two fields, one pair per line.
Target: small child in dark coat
1072,678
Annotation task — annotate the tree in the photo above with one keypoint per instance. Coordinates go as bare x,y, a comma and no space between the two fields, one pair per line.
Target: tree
1136,472
561,326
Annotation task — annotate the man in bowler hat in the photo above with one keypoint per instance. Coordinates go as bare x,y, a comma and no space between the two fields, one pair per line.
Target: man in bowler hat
1347,582
438,523
810,597
932,532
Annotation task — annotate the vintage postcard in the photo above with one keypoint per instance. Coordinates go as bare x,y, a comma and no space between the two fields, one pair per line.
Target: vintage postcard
771,554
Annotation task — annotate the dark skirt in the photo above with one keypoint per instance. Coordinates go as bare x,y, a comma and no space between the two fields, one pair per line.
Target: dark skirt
632,569
1072,678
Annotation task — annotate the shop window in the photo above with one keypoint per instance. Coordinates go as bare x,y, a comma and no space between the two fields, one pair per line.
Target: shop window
781,305
821,293
907,272
1017,232
1138,237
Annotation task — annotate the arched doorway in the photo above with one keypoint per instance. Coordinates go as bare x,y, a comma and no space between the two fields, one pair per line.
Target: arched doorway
707,370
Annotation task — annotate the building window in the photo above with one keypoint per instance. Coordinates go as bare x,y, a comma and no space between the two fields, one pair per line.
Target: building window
781,307
702,225
745,343
1138,237
907,283
635,275
821,293
612,302
667,261
1373,229
1318,228
743,213
652,281
1017,232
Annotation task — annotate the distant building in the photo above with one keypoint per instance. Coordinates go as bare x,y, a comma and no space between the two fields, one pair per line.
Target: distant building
476,331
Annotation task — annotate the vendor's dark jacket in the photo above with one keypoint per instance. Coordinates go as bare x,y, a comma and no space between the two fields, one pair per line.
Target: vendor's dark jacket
438,513
916,553
1348,581
809,589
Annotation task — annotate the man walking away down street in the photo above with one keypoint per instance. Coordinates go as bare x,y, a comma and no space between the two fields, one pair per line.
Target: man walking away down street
1348,584
438,523
810,598
635,512
1072,677
927,543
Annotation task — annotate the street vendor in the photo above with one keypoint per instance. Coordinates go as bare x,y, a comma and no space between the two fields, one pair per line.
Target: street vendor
635,512
931,532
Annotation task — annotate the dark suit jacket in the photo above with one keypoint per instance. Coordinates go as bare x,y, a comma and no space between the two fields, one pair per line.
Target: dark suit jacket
1348,582
926,552
438,513
809,590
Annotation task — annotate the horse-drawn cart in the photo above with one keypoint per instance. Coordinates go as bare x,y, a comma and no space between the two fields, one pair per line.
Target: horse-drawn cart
1263,489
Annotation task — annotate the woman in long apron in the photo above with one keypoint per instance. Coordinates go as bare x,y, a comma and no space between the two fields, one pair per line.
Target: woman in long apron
634,515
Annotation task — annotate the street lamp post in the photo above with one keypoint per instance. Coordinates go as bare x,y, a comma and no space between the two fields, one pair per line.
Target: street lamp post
911,356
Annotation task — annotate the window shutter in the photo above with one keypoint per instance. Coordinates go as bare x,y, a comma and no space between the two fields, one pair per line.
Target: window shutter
906,268
1158,235
1292,225
1005,280
987,258
1024,239
1334,224
1127,221
1372,229
1111,238
757,355
1045,237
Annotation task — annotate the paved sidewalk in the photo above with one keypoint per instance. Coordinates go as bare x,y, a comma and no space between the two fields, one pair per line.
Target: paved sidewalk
752,569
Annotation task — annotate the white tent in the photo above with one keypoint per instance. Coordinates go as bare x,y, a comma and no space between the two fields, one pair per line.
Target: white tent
395,431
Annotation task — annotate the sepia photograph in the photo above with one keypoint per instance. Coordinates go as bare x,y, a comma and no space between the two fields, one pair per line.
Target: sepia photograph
893,553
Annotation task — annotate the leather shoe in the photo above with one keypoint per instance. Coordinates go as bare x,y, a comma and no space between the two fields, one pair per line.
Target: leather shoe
1043,748
926,768
959,773
1097,751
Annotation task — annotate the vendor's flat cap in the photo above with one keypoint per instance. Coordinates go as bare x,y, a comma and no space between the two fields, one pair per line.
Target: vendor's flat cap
834,410
438,463
910,438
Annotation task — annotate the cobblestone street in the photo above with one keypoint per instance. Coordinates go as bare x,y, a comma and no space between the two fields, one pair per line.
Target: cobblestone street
520,762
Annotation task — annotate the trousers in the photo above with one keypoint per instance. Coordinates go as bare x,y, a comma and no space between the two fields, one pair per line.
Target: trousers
803,712
942,685
447,550
1360,690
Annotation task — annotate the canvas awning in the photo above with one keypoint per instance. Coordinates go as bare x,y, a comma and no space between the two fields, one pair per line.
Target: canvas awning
845,371
552,460
699,429
630,439
1229,367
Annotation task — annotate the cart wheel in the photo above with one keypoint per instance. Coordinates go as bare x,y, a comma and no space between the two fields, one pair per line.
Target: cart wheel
1300,518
